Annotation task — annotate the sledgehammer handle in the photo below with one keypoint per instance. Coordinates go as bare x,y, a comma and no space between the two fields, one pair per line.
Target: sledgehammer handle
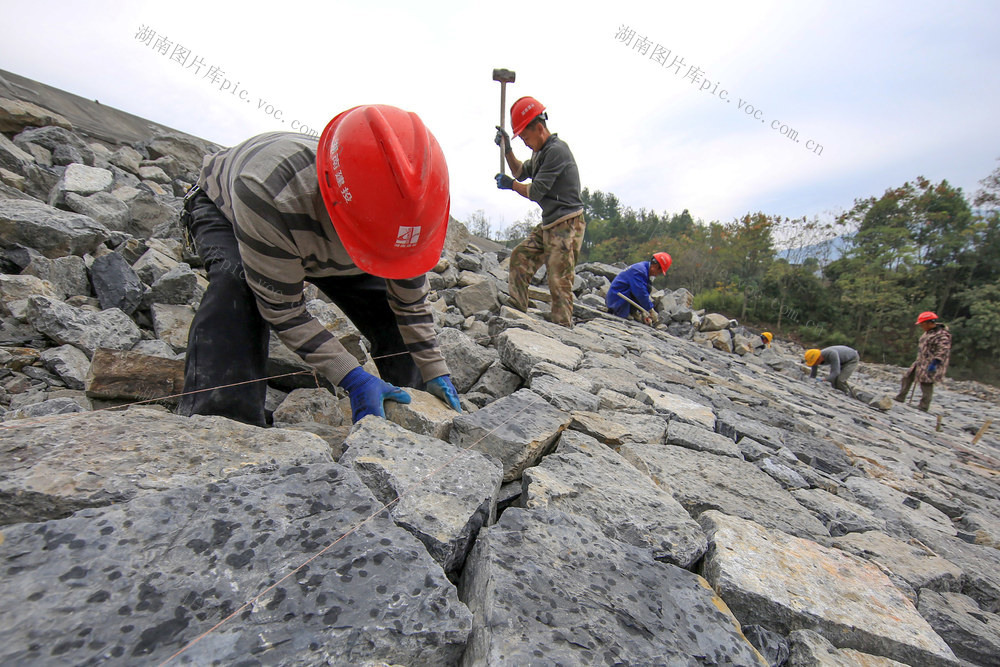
628,300
503,105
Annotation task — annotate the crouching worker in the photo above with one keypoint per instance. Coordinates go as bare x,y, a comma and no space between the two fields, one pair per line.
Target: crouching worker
361,213
843,361
634,283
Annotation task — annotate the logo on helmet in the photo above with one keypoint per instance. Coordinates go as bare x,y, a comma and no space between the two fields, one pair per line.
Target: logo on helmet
407,236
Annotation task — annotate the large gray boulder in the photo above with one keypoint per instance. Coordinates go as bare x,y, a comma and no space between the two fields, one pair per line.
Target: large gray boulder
852,603
518,430
549,588
973,634
103,207
82,180
916,566
52,467
467,360
85,329
521,349
115,283
702,481
811,649
840,515
287,564
614,495
440,493
48,230
905,516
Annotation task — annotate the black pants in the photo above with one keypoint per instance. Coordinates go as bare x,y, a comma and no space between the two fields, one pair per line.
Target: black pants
228,340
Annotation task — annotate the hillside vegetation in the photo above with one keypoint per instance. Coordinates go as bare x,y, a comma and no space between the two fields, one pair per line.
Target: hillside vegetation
920,246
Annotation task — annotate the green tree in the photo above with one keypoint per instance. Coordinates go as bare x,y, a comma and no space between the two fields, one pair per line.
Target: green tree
746,246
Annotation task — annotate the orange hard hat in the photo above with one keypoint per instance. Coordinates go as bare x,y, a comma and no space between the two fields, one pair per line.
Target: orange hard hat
663,259
926,316
523,112
384,181
813,356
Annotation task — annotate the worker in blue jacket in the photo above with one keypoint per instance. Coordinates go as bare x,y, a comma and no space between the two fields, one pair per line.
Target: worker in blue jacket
634,283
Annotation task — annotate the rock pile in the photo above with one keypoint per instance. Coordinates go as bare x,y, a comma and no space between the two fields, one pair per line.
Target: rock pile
612,494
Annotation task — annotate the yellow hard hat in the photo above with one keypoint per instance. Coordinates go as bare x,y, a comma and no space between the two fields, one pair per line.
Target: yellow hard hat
812,357
767,336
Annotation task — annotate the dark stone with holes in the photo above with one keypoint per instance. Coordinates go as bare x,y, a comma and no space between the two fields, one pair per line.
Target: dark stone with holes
549,588
135,583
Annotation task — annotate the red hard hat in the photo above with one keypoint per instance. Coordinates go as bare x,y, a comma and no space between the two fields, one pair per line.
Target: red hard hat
663,259
926,316
384,181
523,112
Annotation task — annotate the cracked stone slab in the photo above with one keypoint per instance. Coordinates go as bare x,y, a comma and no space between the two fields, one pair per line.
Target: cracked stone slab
678,407
615,432
980,566
701,481
811,649
840,515
849,601
169,566
562,395
973,634
915,564
521,349
547,587
905,516
443,495
518,430
701,439
51,467
616,496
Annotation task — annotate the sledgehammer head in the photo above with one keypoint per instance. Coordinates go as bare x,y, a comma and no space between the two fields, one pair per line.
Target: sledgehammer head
503,75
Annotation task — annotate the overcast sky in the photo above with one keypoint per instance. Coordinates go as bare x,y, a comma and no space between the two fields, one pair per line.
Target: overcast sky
876,93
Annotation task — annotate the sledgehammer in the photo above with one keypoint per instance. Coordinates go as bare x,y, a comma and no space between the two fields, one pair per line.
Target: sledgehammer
504,76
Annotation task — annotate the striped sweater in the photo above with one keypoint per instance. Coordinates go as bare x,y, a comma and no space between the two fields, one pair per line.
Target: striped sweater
268,188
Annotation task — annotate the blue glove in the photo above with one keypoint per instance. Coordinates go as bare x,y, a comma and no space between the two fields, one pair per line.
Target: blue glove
504,182
502,139
443,388
368,393
931,367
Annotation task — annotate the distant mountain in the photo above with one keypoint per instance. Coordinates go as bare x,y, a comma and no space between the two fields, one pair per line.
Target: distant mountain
824,252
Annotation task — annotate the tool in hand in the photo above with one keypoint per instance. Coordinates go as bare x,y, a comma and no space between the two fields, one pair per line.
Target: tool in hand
630,301
504,76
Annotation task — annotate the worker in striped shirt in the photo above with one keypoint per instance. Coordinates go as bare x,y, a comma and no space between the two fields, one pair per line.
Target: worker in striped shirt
362,214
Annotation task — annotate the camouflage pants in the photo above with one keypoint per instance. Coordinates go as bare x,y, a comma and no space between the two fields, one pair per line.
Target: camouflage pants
926,390
558,248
